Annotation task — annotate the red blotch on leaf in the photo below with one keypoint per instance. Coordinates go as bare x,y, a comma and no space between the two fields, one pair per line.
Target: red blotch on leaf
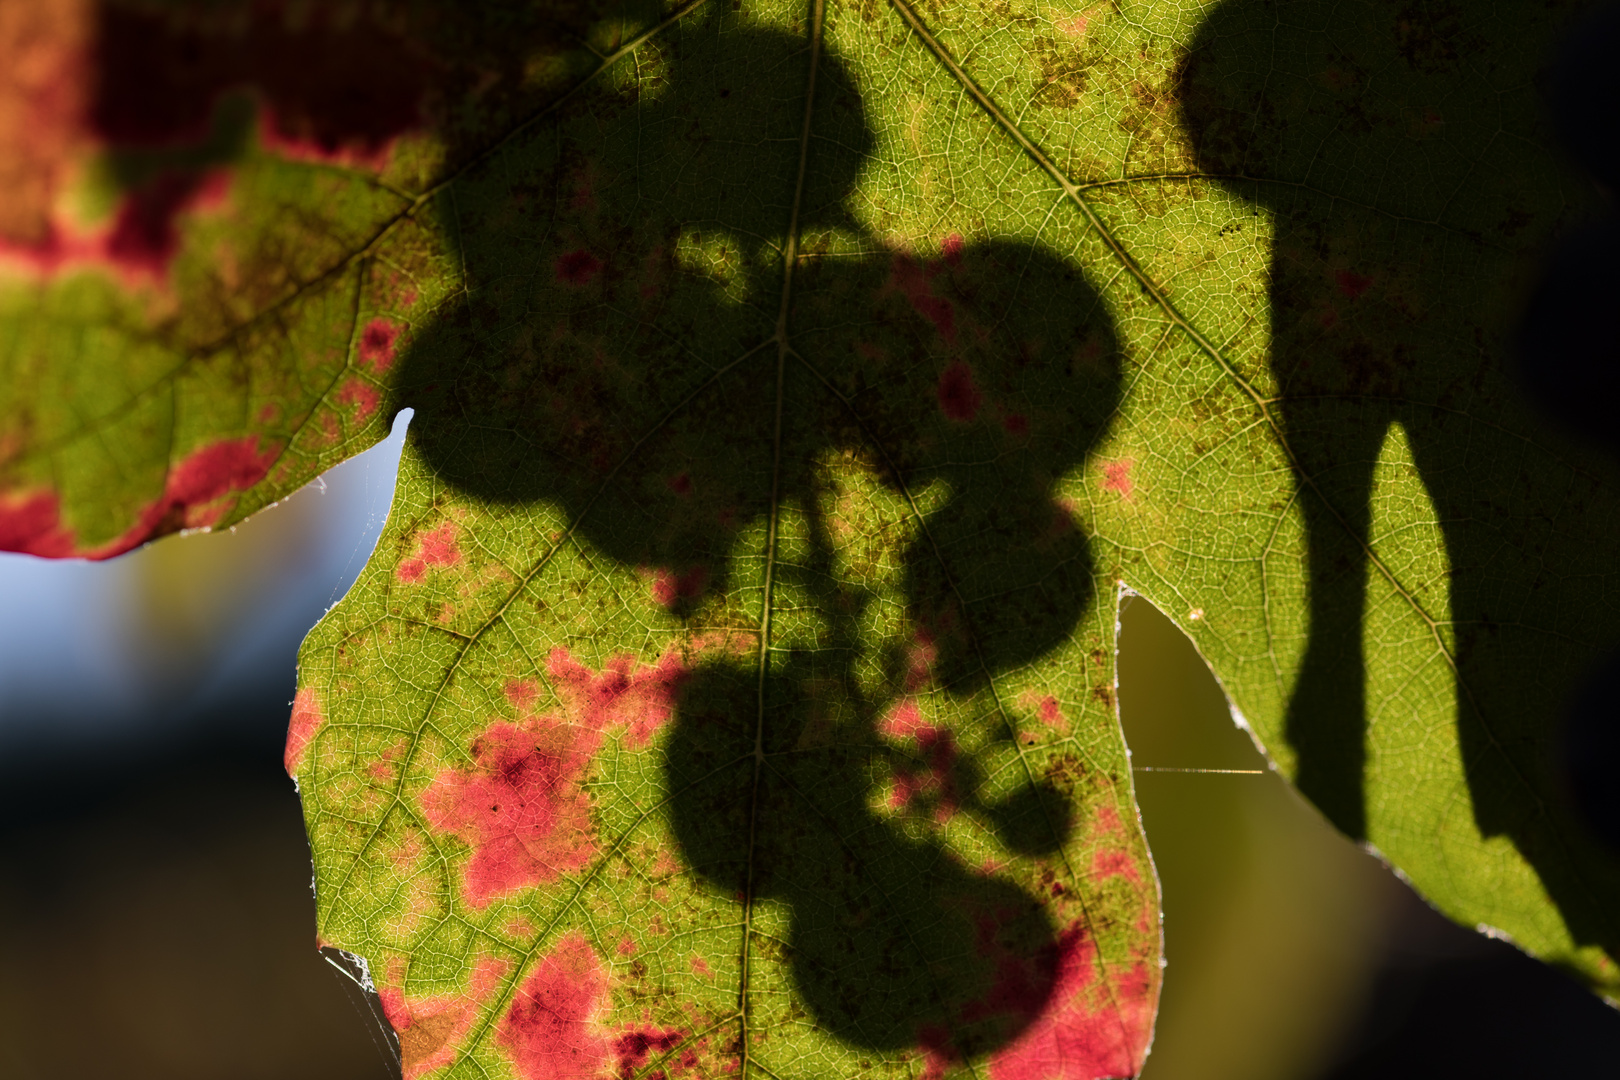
951,249
577,267
959,397
1117,477
1075,1026
1049,712
377,344
301,728
435,547
638,697
902,721
634,1048
32,524
363,396
669,588
1015,424
934,781
522,693
1352,284
430,1031
521,807
680,484
139,242
144,235
914,282
920,661
1107,864
197,493
552,1029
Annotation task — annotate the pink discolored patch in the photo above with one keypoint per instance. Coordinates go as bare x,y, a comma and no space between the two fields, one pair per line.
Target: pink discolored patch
939,1051
553,1028
196,493
434,547
438,547
522,693
914,281
951,249
301,728
32,524
138,244
700,966
638,697
363,396
520,807
377,343
669,588
431,1030
627,946
920,661
1085,1029
1075,27
1117,477
1107,823
577,267
1108,864
902,721
959,396
680,484
635,1048
1015,424
1352,284
933,782
1048,710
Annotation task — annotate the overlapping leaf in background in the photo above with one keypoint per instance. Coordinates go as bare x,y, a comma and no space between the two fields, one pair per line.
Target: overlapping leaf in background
794,386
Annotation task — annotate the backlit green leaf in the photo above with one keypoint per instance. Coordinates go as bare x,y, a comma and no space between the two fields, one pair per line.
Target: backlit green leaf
795,386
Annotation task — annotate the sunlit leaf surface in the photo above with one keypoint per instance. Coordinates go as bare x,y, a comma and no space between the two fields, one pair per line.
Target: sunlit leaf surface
794,385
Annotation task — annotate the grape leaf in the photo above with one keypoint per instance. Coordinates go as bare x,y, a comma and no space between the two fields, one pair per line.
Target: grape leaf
794,387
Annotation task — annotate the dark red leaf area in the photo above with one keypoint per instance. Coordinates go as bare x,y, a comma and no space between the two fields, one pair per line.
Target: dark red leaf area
377,344
1352,284
552,1030
637,697
1075,1025
634,1048
197,493
32,524
914,280
577,267
142,237
933,784
329,87
959,397
521,807
671,588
